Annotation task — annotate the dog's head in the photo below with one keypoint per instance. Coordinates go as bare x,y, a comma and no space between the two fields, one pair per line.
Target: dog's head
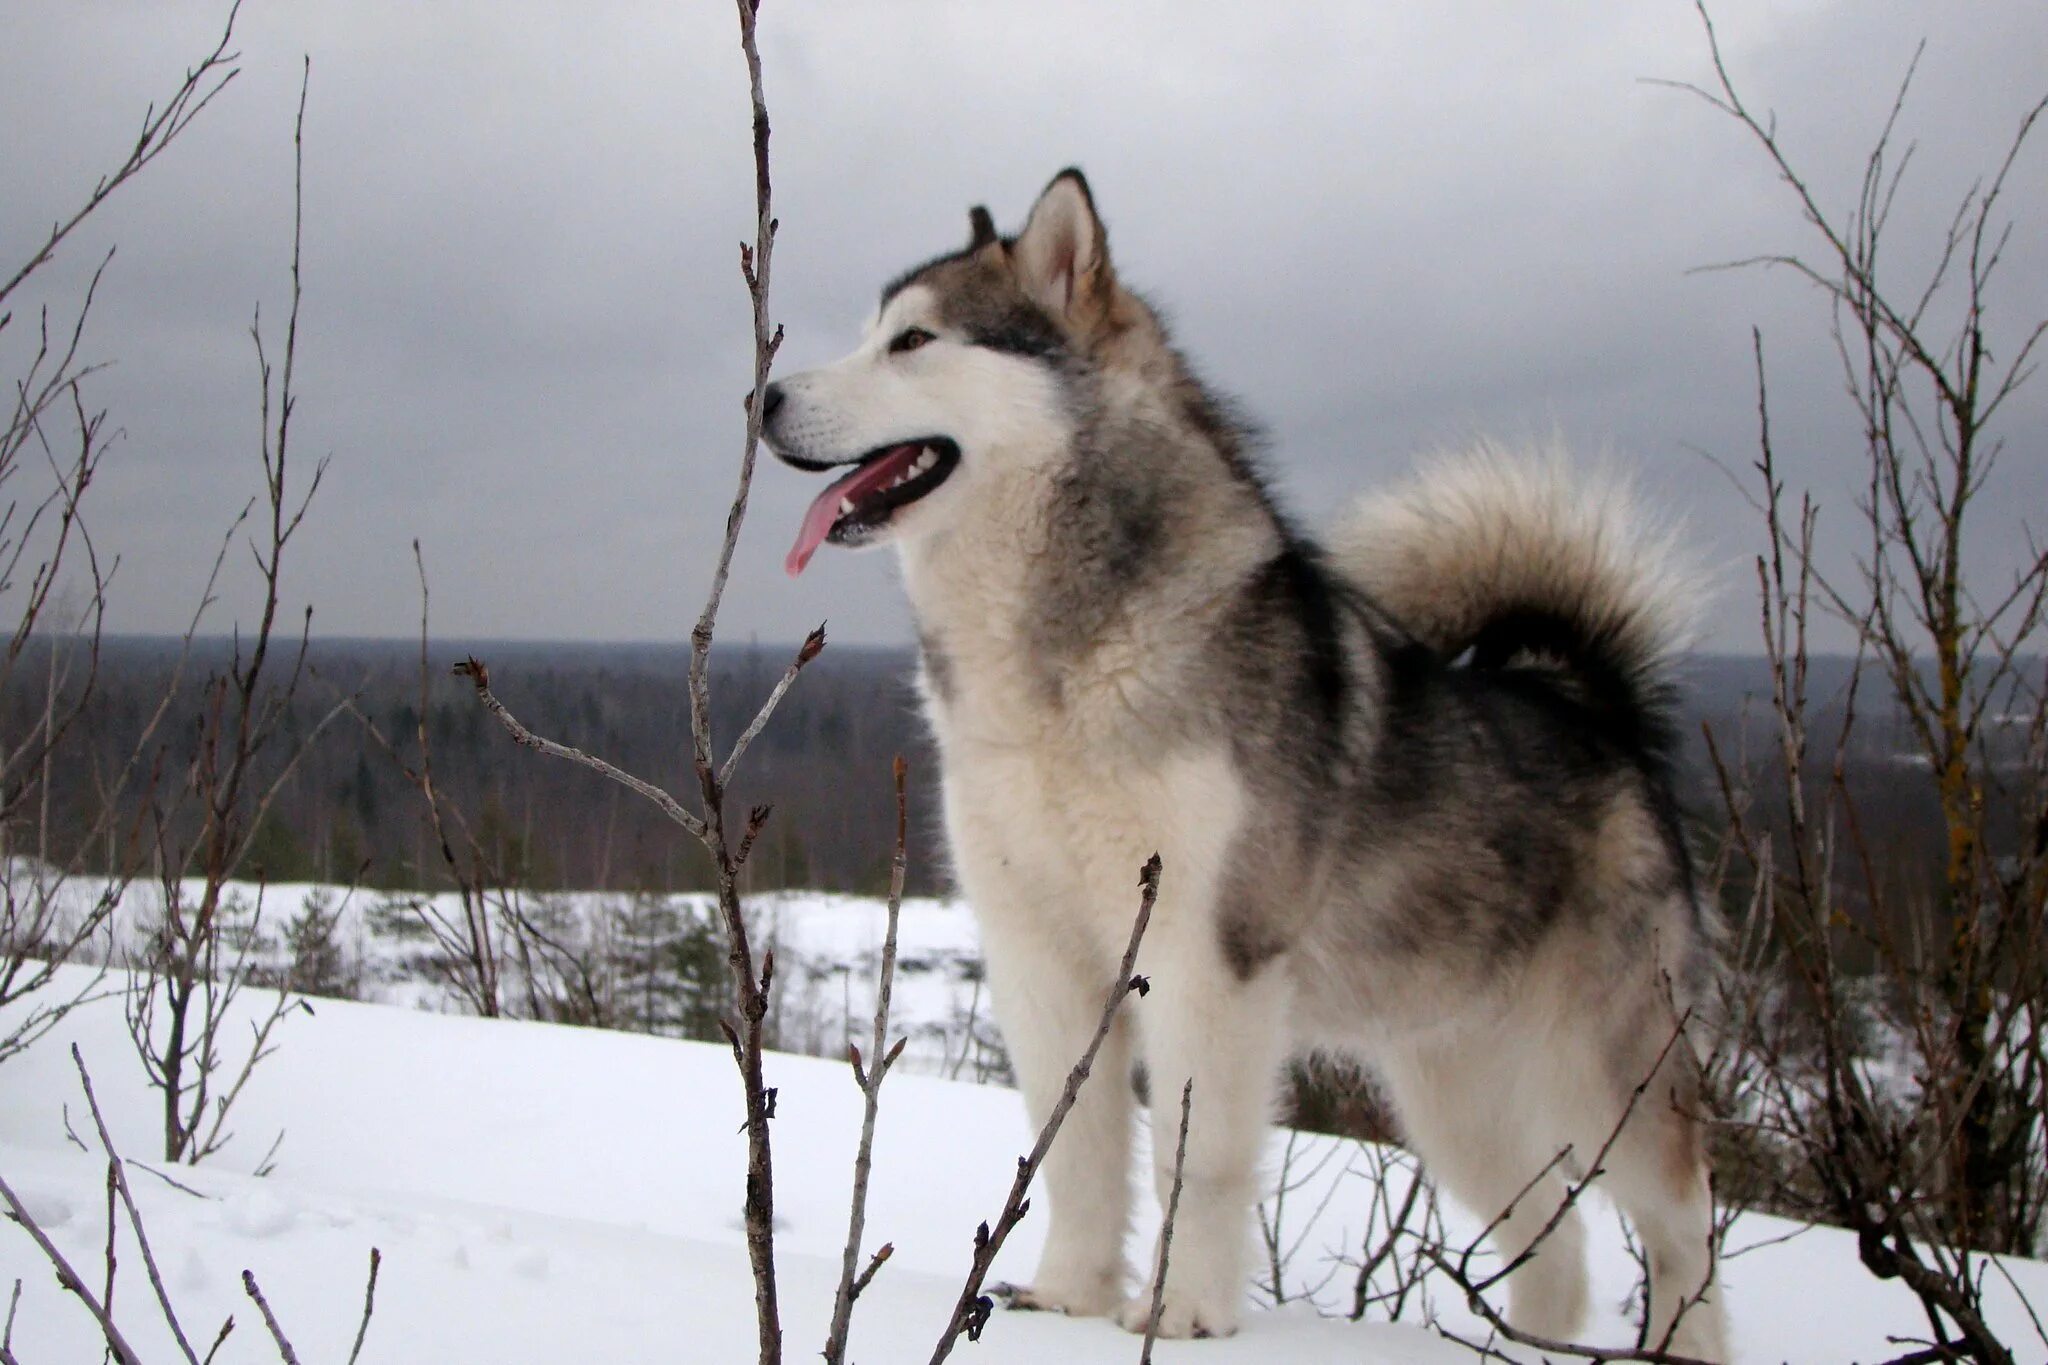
960,383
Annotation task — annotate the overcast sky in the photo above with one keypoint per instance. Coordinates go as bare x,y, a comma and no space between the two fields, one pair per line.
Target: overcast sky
1382,227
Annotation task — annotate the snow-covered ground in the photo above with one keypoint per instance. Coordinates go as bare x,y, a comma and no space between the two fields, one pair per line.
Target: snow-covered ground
827,946
545,1193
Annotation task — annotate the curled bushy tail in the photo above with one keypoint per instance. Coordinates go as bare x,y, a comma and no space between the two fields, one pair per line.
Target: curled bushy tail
1509,555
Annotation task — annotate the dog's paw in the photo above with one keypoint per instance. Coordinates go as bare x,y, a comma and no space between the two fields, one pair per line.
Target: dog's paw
1086,1297
1180,1315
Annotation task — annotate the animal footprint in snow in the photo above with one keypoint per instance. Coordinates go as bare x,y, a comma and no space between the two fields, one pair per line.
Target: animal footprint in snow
48,1208
258,1213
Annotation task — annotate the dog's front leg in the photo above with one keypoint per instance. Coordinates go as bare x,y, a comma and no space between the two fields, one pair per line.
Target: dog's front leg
1204,1020
1048,1000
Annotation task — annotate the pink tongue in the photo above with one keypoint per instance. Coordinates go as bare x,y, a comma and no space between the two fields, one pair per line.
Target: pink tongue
876,473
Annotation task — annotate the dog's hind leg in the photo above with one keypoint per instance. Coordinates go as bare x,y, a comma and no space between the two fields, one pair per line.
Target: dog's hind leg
1656,1171
1462,1104
1048,1003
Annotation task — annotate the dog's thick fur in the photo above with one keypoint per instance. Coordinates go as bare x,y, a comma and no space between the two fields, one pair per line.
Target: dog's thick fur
1413,792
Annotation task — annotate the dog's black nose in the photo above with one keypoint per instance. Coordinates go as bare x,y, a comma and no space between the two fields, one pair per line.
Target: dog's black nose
771,399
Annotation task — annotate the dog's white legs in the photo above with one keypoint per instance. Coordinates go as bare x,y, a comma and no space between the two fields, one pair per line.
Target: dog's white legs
1049,1003
1229,1036
1486,1110
1672,1213
1459,1106
1657,1172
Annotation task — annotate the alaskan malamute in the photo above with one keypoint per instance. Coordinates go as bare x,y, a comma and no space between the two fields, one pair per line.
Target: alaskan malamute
1413,790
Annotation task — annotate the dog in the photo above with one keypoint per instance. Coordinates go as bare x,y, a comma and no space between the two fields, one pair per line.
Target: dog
1413,789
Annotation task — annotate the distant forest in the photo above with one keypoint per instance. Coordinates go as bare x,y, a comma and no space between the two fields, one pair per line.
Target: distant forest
348,812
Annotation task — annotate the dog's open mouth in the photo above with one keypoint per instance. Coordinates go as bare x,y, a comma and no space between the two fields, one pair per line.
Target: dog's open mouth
861,503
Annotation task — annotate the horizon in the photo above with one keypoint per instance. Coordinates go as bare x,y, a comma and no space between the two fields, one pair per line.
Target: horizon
682,644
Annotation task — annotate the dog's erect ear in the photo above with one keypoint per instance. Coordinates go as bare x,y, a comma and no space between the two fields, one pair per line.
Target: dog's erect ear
981,229
1062,256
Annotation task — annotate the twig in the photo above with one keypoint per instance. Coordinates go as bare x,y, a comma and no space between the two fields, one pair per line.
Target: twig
754,268
160,127
970,1312
72,1134
219,1339
809,650
174,1184
107,1295
284,1345
369,1304
7,1336
474,669
1761,1243
870,1081
875,1262
1180,1161
1927,1355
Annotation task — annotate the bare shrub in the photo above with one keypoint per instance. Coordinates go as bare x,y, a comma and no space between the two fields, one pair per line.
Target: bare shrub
1888,1021
194,961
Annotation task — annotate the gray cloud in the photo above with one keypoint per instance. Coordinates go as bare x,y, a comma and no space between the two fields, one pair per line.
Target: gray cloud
1380,227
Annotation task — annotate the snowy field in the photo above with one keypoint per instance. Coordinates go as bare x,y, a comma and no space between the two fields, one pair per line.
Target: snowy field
827,947
546,1193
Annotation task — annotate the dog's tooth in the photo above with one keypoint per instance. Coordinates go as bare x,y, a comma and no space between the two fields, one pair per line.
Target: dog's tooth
845,506
927,460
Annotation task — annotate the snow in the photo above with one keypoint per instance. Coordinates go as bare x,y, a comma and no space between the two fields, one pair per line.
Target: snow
546,1193
827,946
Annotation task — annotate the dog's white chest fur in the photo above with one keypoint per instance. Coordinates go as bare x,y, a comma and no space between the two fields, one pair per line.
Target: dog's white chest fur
1065,783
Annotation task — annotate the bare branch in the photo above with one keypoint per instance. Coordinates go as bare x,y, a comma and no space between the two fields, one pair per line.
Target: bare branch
219,1339
160,128
7,1336
754,268
479,675
369,1305
809,650
284,1345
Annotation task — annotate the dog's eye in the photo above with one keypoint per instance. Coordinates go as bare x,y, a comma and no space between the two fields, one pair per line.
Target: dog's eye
909,339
